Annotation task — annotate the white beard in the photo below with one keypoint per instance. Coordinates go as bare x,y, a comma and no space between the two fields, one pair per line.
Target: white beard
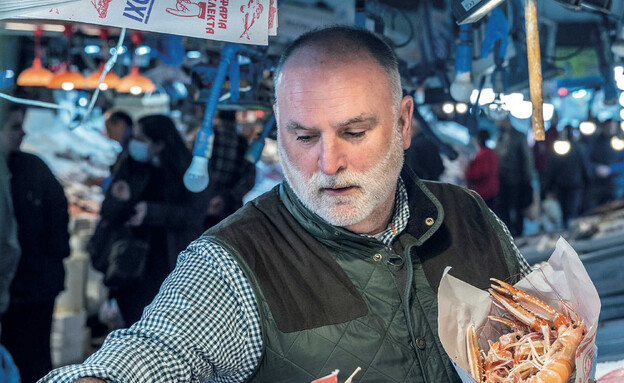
373,186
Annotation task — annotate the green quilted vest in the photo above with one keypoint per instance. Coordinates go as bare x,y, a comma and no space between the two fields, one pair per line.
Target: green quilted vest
332,299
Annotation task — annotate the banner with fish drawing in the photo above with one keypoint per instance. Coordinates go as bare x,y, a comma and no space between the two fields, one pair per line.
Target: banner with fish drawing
238,21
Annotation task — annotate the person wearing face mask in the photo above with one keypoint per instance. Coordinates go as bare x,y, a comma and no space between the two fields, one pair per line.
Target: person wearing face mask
147,194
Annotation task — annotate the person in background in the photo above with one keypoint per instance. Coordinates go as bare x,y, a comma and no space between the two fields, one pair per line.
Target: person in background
147,194
515,171
601,155
566,177
42,218
339,265
118,126
482,172
423,155
231,175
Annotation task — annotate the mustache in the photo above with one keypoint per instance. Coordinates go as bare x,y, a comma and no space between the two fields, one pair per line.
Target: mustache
334,181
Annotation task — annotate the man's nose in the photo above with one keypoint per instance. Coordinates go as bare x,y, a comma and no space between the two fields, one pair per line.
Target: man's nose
332,157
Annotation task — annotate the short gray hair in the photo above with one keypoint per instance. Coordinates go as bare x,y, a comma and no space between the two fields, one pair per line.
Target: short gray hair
344,41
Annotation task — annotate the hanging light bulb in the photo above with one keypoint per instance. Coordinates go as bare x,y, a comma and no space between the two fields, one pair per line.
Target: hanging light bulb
448,107
36,75
587,128
461,107
617,143
196,176
562,147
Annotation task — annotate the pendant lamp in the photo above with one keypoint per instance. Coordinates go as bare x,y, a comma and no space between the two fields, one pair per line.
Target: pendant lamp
67,78
135,83
111,80
36,75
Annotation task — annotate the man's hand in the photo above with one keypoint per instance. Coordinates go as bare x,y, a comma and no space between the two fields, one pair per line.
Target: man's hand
89,380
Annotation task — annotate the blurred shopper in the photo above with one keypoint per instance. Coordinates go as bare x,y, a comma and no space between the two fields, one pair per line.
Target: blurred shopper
40,208
231,175
515,167
601,155
482,172
118,126
148,196
423,155
566,177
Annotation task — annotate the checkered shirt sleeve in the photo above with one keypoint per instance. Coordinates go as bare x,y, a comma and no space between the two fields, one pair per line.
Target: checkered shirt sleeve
203,326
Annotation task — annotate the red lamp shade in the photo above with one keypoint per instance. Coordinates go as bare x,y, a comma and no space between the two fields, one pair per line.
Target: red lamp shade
111,80
67,80
36,75
135,83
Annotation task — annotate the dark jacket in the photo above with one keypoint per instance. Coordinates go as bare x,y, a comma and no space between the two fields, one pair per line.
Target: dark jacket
568,171
171,208
330,298
42,218
423,156
515,162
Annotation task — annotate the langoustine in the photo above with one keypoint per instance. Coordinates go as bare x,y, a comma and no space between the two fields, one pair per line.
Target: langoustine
540,348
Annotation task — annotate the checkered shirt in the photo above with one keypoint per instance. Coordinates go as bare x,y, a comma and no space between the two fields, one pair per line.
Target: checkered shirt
204,324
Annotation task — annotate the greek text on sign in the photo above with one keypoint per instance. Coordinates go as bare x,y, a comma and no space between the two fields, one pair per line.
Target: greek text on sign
242,21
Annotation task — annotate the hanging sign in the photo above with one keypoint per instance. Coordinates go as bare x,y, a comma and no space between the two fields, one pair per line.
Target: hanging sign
14,8
238,21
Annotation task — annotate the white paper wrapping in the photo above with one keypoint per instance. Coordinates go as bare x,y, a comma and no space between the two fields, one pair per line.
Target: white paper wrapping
563,278
239,21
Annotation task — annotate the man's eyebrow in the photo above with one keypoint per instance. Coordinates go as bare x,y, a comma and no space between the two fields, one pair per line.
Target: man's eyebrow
362,118
291,126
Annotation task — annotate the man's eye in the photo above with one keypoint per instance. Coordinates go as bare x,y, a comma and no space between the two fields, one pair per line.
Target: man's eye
304,139
356,134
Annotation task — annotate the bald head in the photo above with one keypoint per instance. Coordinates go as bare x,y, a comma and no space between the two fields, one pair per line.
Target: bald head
343,44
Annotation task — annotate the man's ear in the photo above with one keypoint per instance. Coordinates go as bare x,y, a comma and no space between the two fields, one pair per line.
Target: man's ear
405,120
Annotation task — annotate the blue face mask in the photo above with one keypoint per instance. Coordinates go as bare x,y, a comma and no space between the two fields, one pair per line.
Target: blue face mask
139,151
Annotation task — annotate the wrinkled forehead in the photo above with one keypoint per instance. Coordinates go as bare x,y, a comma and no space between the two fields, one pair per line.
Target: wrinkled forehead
317,64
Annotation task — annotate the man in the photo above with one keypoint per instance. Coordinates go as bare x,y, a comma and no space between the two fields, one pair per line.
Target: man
515,172
41,214
118,126
338,267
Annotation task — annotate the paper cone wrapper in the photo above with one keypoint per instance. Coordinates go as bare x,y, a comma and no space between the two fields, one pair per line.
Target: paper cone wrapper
563,278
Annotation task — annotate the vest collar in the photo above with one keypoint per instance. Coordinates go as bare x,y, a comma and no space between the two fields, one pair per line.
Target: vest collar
426,214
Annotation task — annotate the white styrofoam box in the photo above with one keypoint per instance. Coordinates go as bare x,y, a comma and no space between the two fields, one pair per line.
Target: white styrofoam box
63,322
69,337
73,297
